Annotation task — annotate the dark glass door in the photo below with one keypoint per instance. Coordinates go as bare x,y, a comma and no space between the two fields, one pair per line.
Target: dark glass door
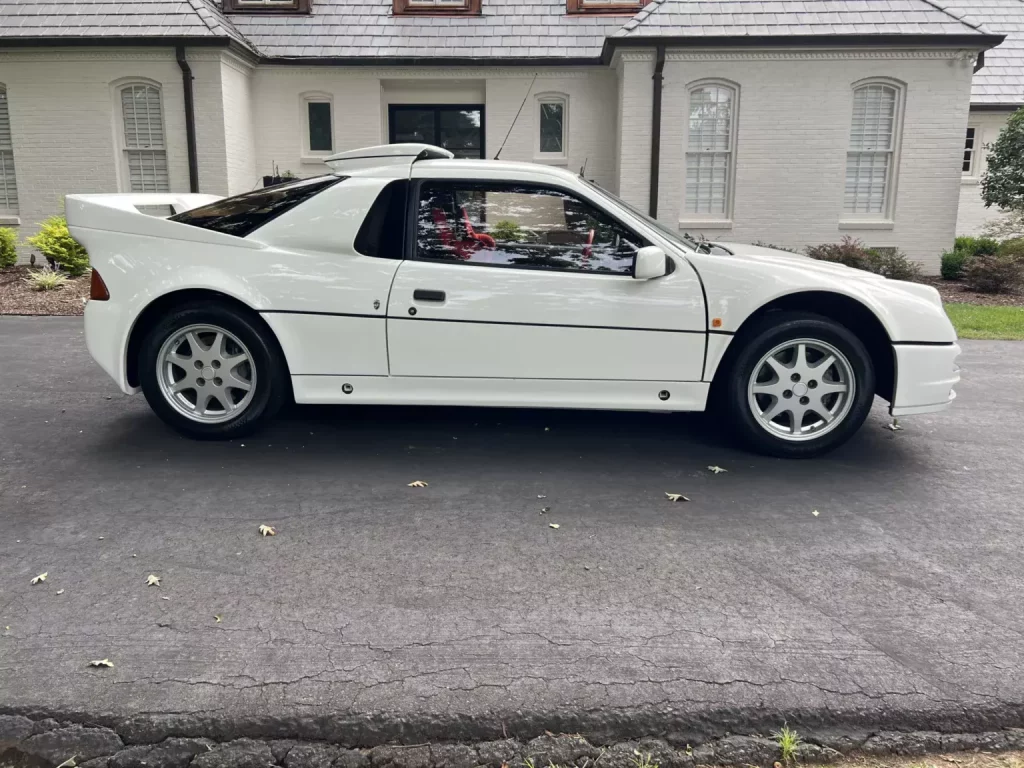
458,128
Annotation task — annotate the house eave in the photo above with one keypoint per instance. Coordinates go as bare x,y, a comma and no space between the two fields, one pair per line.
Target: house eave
1008,106
430,61
976,41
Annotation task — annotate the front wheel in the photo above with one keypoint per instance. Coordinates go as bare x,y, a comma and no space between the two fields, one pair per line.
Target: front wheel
800,387
210,372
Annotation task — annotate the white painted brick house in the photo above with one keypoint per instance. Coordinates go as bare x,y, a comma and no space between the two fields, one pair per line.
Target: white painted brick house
787,121
997,92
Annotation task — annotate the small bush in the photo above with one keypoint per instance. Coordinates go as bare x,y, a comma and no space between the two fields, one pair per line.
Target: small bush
849,252
46,279
59,247
972,246
763,244
893,264
953,263
1001,272
8,247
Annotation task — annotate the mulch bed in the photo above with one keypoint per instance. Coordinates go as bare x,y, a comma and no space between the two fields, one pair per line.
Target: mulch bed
16,298
955,292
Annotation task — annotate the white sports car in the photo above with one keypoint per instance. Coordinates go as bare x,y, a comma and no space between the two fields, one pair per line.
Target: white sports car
406,276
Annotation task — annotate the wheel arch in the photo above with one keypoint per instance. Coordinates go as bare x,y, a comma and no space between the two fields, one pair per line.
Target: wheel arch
852,314
163,304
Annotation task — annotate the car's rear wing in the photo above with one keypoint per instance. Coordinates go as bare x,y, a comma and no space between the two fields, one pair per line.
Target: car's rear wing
385,155
142,214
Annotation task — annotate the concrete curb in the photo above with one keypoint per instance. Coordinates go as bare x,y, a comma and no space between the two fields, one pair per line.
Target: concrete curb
43,743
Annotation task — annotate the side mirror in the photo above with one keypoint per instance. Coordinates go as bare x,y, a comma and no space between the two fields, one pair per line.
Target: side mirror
649,263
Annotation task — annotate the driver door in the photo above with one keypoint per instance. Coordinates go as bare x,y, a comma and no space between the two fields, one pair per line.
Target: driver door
524,281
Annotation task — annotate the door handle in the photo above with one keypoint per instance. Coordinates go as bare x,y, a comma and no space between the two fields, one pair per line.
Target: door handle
421,294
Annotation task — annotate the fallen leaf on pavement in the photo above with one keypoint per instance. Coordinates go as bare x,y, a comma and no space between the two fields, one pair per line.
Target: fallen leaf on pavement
540,496
676,497
152,580
217,619
545,510
556,526
101,663
716,469
69,763
815,513
266,530
417,484
165,598
60,591
40,577
894,426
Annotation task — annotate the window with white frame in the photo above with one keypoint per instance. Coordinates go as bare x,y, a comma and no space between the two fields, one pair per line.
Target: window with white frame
709,150
552,126
143,147
319,121
871,159
8,184
970,147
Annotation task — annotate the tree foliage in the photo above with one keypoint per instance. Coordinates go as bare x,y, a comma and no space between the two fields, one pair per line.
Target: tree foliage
1002,184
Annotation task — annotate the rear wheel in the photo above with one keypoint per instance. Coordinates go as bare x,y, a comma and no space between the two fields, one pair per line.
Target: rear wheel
210,372
800,387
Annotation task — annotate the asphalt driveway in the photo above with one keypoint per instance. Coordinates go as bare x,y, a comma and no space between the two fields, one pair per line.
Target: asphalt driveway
381,611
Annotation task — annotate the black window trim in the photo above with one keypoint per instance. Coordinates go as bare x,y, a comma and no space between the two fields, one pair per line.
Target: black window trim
401,107
412,225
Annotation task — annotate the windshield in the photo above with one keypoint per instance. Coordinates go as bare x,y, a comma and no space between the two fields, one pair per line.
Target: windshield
683,240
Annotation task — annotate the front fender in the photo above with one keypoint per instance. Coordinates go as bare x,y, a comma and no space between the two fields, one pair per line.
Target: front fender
738,286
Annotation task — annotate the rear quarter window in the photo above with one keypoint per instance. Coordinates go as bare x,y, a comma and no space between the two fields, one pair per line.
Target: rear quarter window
243,214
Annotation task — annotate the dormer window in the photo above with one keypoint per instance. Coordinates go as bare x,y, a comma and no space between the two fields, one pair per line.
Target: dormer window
620,7
436,7
267,6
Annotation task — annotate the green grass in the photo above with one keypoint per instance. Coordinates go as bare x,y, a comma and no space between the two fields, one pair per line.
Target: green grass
978,322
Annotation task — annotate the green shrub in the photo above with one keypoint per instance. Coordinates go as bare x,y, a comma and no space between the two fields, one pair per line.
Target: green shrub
507,231
46,279
1001,272
8,247
953,263
763,244
893,264
58,246
849,252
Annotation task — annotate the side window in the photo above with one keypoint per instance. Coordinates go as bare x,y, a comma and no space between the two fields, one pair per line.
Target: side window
522,226
382,233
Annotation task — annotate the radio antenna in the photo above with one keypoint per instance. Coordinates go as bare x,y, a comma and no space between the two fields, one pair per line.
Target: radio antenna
498,154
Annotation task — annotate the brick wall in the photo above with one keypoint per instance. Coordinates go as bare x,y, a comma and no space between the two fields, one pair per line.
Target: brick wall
973,215
794,113
361,97
66,122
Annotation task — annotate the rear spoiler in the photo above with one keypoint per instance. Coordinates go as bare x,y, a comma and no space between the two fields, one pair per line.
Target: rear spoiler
385,154
140,214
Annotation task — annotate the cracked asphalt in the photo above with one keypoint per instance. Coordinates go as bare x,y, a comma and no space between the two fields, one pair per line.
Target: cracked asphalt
383,612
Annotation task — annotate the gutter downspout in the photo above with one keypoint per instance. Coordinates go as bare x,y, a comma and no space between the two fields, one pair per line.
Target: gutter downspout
190,119
659,78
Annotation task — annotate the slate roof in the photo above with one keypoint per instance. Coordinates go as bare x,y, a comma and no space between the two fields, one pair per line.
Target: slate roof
106,19
508,29
1001,81
771,18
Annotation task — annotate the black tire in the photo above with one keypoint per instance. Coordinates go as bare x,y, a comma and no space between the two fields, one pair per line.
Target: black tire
754,345
271,390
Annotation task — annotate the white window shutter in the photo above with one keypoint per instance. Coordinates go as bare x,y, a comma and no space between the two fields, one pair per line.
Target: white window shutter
145,152
8,184
870,157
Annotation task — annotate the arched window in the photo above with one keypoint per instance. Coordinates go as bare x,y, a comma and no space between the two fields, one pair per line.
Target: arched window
142,138
552,126
870,160
8,185
710,146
